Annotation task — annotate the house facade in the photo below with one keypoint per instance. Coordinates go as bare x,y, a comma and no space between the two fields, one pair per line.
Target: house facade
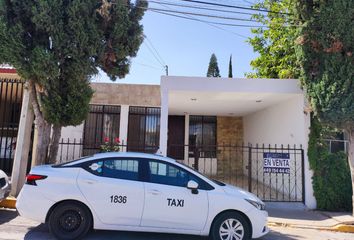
251,133
228,129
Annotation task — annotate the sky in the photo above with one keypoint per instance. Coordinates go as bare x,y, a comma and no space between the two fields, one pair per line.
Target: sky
186,46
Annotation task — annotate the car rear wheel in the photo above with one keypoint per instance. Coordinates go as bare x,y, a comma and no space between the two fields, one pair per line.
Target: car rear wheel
230,226
70,221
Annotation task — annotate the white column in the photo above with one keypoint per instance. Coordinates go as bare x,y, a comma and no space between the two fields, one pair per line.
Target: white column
186,137
123,125
22,144
164,123
310,200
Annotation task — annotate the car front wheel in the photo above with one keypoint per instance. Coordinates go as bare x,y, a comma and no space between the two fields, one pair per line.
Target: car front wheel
230,226
70,221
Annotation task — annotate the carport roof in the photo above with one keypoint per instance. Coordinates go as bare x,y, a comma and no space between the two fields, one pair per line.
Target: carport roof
225,96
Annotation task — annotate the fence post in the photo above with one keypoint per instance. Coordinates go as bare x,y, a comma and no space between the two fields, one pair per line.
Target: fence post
250,168
303,173
196,158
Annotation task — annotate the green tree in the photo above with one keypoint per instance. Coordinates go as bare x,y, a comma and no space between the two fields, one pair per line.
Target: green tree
213,69
275,44
230,67
57,46
326,55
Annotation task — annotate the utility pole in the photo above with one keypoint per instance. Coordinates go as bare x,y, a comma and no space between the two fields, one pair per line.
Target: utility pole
166,69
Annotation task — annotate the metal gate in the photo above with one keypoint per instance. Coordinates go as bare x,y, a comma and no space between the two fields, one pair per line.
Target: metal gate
273,173
11,93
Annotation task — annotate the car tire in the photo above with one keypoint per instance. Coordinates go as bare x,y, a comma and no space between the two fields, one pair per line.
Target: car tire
70,220
231,224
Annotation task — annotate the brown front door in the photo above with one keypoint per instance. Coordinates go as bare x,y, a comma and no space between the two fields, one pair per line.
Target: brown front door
175,141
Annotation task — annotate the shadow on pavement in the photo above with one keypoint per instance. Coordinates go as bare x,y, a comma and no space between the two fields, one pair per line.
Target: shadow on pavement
41,232
138,236
273,235
7,215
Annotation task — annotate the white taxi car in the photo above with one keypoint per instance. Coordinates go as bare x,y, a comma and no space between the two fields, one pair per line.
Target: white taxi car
138,192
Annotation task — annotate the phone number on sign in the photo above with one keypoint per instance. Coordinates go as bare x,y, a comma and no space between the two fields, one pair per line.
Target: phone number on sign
277,170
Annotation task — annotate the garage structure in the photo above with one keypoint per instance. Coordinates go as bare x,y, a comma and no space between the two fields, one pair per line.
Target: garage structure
234,124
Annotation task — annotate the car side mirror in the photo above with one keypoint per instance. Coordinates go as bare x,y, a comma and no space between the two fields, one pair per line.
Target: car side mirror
193,186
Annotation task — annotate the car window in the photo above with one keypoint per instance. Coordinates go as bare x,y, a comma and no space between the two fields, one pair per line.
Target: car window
168,174
116,168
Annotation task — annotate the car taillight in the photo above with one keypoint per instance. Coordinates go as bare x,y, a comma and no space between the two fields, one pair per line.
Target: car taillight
32,178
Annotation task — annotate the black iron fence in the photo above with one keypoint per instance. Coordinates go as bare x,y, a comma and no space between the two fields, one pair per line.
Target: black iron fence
273,173
71,149
11,92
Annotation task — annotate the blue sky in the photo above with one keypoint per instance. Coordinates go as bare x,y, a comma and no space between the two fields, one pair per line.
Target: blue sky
186,46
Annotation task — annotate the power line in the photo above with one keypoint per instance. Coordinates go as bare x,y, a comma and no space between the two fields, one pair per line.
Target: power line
209,22
157,53
147,65
201,8
202,15
158,10
206,22
153,54
234,6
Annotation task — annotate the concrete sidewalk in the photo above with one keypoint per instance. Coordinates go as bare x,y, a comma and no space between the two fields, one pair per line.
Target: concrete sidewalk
298,216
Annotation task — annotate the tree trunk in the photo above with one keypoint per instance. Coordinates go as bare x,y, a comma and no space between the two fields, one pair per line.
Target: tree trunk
43,139
43,128
351,160
54,144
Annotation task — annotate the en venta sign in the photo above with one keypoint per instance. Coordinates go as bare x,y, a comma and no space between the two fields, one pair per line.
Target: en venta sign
276,163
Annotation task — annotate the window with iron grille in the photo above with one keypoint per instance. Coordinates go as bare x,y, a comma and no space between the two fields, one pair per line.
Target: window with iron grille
143,129
102,122
202,135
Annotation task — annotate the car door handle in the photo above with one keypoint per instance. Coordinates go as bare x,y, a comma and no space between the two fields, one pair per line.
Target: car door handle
154,192
90,181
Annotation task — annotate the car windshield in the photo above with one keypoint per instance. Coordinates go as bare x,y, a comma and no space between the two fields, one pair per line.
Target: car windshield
213,180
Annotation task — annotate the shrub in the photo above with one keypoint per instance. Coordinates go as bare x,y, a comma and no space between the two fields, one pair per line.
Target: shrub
331,180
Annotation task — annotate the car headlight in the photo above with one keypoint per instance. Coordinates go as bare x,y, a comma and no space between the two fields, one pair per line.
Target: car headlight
256,204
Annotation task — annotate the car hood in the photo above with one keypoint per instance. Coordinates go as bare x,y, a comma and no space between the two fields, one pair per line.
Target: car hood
239,192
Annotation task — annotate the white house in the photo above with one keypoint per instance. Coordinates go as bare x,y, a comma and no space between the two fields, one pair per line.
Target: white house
252,133
232,123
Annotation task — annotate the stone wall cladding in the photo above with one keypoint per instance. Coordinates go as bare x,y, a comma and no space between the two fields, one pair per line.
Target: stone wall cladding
126,94
229,133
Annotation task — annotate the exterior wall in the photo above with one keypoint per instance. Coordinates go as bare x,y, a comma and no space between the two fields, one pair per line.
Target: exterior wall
285,123
70,134
126,94
279,124
229,132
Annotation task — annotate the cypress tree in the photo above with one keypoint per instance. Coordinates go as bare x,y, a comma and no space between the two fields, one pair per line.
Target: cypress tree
57,46
213,69
230,67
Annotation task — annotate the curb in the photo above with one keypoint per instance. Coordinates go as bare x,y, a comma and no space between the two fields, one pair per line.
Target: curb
345,228
9,202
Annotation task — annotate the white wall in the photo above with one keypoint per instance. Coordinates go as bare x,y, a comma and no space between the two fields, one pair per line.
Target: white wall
72,132
279,124
285,123
73,150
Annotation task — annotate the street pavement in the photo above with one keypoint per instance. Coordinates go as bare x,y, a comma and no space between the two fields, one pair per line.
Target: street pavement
14,227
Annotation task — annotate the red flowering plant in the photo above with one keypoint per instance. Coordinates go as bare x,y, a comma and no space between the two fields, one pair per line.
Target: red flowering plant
110,146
